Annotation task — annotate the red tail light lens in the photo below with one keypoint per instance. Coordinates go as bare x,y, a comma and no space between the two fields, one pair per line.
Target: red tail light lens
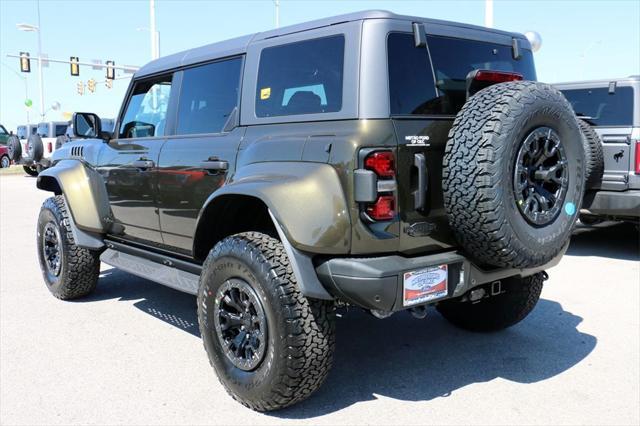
497,76
381,162
383,208
49,147
638,157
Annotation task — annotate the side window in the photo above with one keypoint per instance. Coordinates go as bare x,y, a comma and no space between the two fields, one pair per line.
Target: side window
147,109
43,130
208,96
301,78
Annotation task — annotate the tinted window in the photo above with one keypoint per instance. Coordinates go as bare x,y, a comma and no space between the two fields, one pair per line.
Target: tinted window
61,129
3,130
147,109
411,87
603,108
43,130
209,94
301,78
452,60
21,132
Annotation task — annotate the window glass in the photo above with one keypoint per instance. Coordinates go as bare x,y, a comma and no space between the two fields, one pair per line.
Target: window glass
411,78
43,130
411,87
208,95
301,78
61,129
3,130
453,59
602,108
147,109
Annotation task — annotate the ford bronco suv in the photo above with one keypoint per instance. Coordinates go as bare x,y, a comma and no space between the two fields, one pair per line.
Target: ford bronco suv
379,161
35,152
612,109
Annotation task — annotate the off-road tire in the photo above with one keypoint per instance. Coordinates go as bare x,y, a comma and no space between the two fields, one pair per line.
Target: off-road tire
5,162
35,148
301,338
80,267
519,297
478,174
593,155
31,170
14,148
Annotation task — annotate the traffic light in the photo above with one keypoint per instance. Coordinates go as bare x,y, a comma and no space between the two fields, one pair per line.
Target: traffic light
91,85
75,68
108,83
80,88
25,62
111,71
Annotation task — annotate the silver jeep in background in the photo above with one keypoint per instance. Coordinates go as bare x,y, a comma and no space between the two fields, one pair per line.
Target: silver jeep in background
612,108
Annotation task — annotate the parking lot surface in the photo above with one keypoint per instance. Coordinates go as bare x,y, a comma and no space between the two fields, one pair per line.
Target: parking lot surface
131,352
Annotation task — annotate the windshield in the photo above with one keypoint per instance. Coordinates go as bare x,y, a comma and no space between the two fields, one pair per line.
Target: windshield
602,108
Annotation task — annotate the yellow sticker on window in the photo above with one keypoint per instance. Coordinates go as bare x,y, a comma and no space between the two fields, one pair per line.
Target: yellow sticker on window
265,93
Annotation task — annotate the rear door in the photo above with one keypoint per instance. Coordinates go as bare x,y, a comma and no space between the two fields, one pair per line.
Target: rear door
200,156
424,100
129,164
610,111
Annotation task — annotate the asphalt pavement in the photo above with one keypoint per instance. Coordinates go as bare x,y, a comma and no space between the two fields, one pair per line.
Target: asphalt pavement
131,352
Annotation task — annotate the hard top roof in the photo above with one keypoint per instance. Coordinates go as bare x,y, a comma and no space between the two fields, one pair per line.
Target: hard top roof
237,46
602,81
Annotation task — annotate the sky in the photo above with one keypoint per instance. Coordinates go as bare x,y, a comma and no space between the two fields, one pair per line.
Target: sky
586,39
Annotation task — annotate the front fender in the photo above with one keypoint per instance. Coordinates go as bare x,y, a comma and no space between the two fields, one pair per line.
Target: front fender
306,200
84,191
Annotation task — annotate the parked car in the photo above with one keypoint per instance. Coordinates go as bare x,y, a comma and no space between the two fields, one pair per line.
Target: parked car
338,162
34,152
5,161
612,108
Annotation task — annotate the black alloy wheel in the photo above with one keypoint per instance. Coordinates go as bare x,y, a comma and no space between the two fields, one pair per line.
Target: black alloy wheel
540,178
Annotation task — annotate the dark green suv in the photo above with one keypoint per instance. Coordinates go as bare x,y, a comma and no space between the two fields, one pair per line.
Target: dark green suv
374,160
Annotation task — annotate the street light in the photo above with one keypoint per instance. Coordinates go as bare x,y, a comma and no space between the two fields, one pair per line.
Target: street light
37,29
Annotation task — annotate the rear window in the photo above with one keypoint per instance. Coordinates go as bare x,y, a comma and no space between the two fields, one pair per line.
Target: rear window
61,129
411,79
301,78
601,107
43,130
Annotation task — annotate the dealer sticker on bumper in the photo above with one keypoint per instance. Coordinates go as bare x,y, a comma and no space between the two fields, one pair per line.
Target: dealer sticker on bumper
425,285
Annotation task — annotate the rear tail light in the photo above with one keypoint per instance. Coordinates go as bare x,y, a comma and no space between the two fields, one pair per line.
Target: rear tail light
638,157
496,76
382,163
49,147
383,208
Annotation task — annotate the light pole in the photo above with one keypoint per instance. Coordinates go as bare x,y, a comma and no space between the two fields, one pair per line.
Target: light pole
155,35
277,5
36,28
488,13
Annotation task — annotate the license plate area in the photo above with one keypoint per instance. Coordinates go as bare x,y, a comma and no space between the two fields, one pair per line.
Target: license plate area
425,285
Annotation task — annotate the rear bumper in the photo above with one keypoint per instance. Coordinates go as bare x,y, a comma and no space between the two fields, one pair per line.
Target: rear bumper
377,282
613,203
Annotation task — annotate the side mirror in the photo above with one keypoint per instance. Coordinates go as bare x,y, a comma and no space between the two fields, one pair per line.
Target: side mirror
86,125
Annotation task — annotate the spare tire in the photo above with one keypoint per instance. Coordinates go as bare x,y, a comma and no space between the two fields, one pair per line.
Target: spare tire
513,174
35,148
593,155
14,149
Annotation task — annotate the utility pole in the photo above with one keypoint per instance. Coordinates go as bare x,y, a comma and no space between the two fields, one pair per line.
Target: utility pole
42,112
277,4
488,13
155,35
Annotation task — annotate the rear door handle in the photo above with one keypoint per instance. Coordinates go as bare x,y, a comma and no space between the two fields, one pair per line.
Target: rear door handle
420,194
214,164
143,164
